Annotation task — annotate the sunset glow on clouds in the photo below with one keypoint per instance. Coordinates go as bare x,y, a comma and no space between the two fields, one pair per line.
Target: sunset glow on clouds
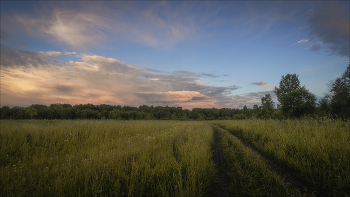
188,54
97,79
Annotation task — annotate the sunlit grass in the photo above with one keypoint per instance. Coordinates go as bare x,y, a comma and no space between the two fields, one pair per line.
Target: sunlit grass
105,158
318,150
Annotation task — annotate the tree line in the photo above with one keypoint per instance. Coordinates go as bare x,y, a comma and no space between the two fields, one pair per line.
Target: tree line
90,111
295,101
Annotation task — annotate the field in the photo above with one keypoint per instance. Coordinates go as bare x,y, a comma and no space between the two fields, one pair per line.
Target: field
170,158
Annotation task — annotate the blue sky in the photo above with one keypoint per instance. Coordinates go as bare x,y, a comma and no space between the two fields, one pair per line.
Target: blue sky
175,53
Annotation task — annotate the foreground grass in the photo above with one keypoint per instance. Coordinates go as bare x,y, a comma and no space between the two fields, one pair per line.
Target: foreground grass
105,158
248,175
318,150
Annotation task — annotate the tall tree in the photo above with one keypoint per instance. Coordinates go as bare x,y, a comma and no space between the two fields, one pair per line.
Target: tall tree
340,95
295,101
246,112
266,106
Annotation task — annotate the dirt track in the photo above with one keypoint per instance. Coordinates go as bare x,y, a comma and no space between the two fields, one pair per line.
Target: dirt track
220,187
289,177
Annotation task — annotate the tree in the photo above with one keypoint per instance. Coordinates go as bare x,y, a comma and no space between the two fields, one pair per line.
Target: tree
323,107
295,101
267,106
115,114
340,95
5,112
256,111
31,111
246,112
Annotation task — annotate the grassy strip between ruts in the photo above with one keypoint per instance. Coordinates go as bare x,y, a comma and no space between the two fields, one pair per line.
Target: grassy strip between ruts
317,150
247,174
105,158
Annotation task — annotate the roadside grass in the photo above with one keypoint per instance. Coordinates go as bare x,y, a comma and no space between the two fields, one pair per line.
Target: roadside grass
317,150
105,158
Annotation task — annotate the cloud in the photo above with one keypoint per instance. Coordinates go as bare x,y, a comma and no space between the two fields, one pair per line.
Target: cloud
30,78
302,41
252,98
92,24
11,57
97,79
4,35
260,83
259,95
261,16
315,47
192,74
63,88
172,96
154,24
329,23
49,54
77,29
69,53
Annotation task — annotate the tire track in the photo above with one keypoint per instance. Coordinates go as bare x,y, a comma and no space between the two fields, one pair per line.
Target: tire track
220,187
292,179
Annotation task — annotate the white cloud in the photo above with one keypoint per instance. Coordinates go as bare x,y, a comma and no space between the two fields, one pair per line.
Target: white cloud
76,29
49,54
302,41
69,53
96,59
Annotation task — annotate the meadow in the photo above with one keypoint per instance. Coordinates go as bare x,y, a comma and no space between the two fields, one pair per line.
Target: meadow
105,158
169,158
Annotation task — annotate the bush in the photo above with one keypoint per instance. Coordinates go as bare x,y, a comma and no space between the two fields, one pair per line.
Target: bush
239,117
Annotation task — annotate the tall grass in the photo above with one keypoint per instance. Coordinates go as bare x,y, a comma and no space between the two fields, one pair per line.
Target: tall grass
248,175
105,158
318,150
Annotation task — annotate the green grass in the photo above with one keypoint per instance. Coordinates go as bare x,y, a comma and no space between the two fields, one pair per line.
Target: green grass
105,158
317,150
167,158
248,175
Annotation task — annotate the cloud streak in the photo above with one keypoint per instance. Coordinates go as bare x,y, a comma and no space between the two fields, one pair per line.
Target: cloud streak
89,24
302,41
260,83
76,29
49,54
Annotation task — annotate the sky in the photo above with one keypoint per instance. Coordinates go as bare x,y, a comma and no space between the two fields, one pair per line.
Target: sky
222,54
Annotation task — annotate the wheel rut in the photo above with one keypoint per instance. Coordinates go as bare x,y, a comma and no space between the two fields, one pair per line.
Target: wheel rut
220,186
292,179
